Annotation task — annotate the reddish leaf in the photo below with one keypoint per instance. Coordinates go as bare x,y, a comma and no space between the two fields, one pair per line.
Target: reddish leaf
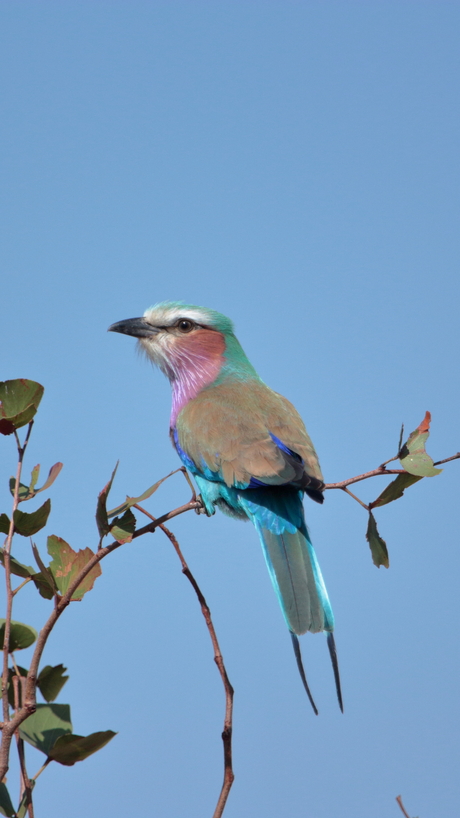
413,457
67,564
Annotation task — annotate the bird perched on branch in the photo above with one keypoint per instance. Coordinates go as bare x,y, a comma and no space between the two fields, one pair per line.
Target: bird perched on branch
248,450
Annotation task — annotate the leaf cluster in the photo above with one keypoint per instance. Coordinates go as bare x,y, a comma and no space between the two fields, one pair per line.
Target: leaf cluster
417,464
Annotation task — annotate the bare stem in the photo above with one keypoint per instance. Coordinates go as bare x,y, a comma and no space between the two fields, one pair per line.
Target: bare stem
43,767
448,459
187,477
229,776
399,801
21,586
344,488
6,562
381,470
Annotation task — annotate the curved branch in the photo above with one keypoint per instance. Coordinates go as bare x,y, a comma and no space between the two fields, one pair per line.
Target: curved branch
229,776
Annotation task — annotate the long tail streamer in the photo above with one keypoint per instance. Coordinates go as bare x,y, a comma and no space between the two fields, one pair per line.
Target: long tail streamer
298,656
335,667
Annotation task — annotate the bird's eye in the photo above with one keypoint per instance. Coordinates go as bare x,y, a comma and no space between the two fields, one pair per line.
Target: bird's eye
184,325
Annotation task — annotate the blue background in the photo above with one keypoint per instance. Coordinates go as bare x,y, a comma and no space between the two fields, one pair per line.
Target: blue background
295,166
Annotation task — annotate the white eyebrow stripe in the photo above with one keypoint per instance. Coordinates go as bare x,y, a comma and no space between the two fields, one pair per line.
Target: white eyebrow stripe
168,317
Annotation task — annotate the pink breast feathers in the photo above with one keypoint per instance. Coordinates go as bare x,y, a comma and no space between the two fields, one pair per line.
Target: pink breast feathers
194,361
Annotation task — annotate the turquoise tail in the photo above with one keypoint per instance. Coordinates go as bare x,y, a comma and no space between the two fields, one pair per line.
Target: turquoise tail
294,569
291,560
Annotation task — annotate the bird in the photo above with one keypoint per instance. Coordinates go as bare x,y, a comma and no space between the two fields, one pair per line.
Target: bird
248,451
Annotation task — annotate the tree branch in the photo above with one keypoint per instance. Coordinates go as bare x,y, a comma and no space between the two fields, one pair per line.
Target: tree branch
381,470
9,592
399,801
229,776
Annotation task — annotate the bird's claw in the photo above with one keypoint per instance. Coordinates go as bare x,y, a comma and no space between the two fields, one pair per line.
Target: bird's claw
202,508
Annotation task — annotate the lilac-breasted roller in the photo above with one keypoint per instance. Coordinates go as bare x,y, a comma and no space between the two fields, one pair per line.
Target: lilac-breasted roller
248,450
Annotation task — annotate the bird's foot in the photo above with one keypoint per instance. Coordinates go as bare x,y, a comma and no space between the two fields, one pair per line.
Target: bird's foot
203,509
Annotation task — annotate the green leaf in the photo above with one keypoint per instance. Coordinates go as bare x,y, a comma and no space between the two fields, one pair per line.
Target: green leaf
34,477
46,725
6,807
27,492
17,568
51,680
377,545
67,564
19,400
122,528
28,524
4,524
45,574
21,636
24,493
43,587
102,522
413,457
131,501
71,748
395,489
24,804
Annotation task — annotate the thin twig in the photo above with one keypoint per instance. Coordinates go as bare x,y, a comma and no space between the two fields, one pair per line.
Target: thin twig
9,592
187,477
447,459
381,470
26,785
43,767
399,801
229,776
25,781
344,488
21,586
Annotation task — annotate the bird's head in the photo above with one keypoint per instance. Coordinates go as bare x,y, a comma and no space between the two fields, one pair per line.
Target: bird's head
180,337
193,346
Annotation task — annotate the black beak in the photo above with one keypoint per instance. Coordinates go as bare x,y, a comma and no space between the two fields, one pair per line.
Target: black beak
138,327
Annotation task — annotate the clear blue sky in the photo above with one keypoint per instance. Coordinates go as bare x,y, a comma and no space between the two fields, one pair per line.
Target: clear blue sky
295,166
